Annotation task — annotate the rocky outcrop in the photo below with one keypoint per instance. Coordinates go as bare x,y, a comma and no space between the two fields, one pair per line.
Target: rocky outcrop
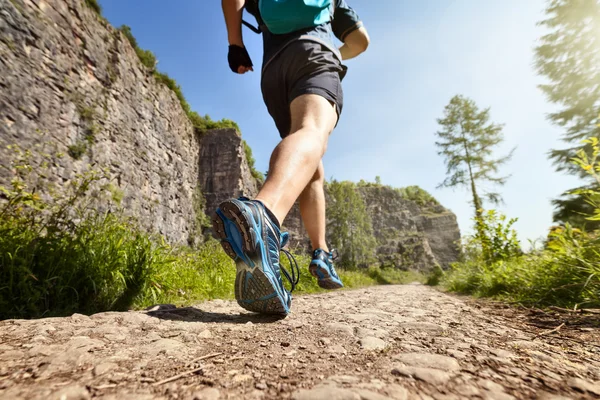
409,235
224,170
70,79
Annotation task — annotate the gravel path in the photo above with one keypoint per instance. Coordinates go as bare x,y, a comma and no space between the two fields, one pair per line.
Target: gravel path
386,342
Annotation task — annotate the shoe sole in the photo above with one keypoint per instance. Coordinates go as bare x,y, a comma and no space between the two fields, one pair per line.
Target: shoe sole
323,279
253,289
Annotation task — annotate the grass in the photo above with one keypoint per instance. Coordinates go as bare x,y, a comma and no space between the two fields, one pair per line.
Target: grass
566,273
60,255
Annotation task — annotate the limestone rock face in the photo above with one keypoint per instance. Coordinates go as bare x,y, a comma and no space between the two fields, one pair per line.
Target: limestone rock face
224,170
70,79
409,235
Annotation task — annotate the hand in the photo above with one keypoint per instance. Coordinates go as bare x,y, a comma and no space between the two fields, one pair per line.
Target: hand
239,59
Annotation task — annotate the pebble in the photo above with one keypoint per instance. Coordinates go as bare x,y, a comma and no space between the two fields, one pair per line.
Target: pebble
205,334
584,386
104,368
72,393
429,375
427,360
326,392
341,328
207,394
372,343
336,349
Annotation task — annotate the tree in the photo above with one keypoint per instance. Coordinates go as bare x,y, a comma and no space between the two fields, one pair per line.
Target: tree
569,57
350,227
467,140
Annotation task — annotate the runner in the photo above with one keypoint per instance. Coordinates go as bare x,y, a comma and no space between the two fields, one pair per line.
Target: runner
301,87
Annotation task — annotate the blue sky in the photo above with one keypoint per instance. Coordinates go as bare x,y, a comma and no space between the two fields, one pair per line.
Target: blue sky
421,54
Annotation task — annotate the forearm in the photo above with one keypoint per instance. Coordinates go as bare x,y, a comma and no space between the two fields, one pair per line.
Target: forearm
232,11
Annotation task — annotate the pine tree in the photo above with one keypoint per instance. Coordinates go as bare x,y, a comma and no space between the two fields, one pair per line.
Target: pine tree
467,140
569,57
350,227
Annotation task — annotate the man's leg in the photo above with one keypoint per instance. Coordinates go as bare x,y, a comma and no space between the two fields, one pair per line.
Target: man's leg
312,209
296,159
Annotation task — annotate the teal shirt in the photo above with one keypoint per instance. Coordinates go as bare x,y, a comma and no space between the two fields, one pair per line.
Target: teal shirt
345,20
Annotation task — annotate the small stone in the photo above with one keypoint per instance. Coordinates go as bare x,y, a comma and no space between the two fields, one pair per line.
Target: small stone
291,353
344,379
523,344
372,343
261,386
584,386
325,392
207,394
429,375
459,355
424,326
325,341
501,353
396,391
72,393
285,344
104,368
426,360
341,328
490,385
336,349
369,395
242,378
205,334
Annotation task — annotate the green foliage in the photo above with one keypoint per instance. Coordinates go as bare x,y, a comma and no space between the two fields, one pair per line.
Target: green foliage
566,272
59,254
251,161
169,82
435,277
467,140
78,149
126,31
350,226
418,195
496,238
568,56
204,123
93,4
146,57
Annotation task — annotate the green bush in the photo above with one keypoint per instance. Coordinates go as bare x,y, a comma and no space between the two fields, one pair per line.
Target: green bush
251,163
60,255
566,272
93,4
147,58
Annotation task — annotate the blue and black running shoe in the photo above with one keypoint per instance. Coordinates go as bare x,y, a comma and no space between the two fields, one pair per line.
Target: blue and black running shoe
321,267
253,240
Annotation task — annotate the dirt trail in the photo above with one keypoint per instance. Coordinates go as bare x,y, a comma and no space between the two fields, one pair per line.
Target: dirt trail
387,342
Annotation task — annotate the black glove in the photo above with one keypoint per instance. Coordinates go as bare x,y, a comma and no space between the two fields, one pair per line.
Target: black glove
238,56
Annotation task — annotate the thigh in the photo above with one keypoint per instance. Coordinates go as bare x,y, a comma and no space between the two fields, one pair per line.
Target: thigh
315,112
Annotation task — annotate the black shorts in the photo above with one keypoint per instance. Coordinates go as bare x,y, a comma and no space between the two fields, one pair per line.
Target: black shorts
302,67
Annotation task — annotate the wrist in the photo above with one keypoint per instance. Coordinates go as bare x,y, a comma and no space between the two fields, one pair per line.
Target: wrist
236,41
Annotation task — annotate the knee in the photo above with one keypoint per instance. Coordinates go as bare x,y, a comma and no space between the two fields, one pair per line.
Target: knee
319,176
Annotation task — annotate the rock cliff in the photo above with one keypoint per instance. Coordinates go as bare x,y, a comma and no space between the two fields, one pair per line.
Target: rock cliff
70,79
